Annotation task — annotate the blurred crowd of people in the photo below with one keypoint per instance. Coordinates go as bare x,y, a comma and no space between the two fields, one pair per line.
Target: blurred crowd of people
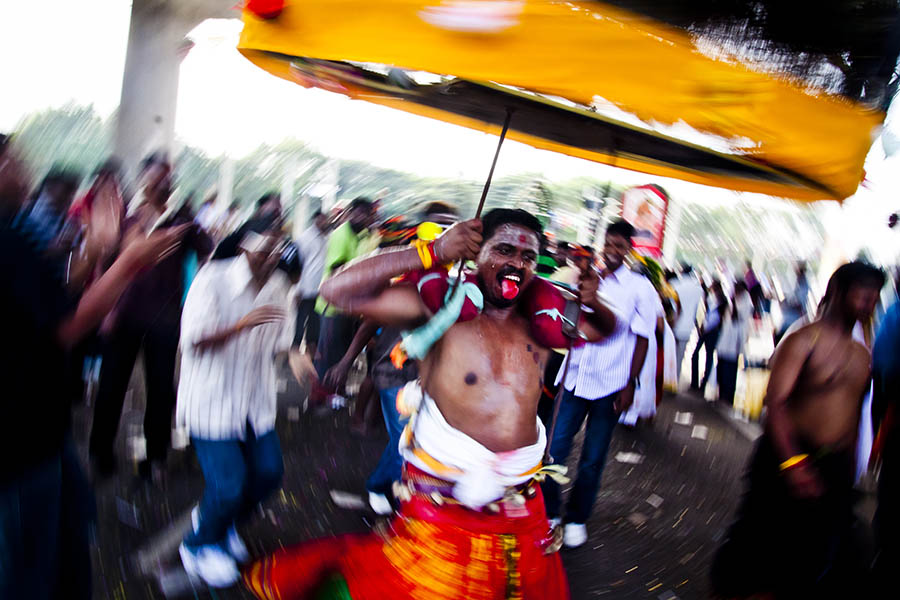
98,276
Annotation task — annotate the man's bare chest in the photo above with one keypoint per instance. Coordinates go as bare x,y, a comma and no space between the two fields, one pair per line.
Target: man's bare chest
494,351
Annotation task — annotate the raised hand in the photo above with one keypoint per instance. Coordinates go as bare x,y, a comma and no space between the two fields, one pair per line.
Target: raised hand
588,282
624,399
336,376
159,245
461,241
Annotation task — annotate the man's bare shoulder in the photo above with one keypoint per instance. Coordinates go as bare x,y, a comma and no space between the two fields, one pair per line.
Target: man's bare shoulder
860,350
804,337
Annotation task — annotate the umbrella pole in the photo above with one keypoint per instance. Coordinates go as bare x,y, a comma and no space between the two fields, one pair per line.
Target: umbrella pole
484,192
487,184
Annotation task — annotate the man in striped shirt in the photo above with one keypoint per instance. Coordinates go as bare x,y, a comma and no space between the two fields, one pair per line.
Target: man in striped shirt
600,384
234,322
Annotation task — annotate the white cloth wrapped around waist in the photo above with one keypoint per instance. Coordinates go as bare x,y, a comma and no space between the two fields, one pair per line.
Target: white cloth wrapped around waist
480,476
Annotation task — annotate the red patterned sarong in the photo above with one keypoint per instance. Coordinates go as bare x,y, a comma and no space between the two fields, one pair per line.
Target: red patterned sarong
430,551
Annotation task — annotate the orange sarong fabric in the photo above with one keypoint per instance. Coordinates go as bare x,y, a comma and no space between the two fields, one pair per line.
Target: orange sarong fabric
428,552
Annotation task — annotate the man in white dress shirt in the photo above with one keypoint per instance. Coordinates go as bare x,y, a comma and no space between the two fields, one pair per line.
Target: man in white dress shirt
233,324
690,293
600,385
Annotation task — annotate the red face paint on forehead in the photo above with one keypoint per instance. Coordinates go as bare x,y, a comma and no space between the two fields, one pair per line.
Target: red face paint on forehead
515,235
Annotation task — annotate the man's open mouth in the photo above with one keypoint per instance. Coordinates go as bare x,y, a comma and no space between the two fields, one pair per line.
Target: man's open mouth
509,284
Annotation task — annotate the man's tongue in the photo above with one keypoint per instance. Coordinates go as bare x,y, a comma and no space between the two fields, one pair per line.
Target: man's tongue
509,289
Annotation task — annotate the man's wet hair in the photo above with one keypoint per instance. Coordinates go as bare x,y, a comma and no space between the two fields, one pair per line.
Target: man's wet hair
853,274
621,227
856,273
491,221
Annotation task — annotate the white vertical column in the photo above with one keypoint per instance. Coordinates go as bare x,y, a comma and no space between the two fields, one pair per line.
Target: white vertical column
146,115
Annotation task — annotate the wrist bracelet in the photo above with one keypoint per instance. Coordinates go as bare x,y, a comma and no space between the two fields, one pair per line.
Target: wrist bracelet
794,461
424,254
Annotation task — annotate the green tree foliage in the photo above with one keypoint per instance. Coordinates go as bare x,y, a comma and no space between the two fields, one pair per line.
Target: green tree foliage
774,238
74,136
197,173
78,137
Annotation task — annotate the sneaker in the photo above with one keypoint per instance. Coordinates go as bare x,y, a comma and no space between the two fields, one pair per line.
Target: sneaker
236,547
233,542
574,534
380,504
211,564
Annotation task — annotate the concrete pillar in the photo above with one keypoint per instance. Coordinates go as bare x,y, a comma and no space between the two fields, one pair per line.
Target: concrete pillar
156,46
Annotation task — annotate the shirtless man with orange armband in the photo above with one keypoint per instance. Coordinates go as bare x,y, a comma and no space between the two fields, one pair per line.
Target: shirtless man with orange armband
471,522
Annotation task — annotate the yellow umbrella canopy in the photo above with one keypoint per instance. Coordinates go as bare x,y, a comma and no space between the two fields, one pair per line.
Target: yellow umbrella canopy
581,78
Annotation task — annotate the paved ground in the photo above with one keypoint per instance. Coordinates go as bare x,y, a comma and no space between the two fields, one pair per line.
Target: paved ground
668,494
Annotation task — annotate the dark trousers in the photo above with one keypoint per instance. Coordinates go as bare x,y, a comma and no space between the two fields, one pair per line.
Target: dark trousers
45,519
75,381
790,547
335,338
757,297
708,340
726,373
307,323
886,524
239,475
160,345
601,420
390,465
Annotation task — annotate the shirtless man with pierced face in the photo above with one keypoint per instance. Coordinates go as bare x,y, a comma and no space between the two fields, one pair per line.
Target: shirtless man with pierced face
472,520
485,374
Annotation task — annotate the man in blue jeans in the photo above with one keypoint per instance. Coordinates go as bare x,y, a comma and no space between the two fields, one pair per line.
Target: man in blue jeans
235,320
600,385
